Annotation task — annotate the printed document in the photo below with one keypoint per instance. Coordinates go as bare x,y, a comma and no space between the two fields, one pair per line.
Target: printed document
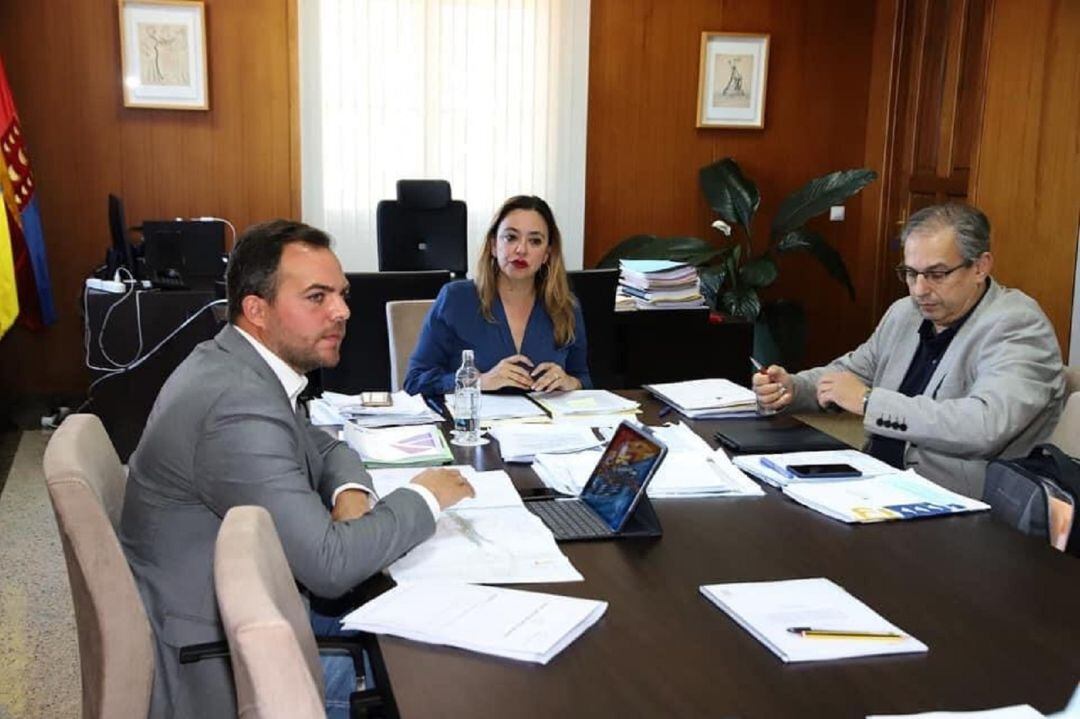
900,495
584,401
499,408
706,398
511,623
415,445
335,409
771,610
493,489
522,442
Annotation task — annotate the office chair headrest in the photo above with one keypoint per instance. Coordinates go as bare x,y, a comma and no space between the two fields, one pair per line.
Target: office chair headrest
423,194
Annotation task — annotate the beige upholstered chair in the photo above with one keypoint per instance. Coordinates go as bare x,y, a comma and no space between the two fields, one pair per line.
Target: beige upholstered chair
1072,380
1066,434
275,658
86,486
404,318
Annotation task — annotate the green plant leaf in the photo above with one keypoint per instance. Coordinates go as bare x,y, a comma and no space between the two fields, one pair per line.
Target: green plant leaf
730,194
743,302
826,254
759,272
691,250
712,279
818,195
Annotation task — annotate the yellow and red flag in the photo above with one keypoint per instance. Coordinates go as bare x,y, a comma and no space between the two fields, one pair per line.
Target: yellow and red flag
22,258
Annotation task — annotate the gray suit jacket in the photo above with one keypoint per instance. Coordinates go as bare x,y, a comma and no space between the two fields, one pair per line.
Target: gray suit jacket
997,391
222,433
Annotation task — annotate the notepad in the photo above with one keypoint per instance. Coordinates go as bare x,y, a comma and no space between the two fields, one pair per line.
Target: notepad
526,626
768,610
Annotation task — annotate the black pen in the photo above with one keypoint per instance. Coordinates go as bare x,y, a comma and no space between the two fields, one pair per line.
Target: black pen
664,411
435,406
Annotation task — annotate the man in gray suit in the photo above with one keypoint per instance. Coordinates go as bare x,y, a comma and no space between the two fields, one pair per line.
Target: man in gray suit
226,431
961,372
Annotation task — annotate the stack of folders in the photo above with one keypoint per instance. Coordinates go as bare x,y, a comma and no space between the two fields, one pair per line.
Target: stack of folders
660,284
486,539
334,409
806,620
706,398
411,446
690,469
504,408
594,407
526,626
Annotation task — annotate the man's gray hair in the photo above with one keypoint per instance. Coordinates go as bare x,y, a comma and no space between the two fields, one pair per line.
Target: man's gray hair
971,228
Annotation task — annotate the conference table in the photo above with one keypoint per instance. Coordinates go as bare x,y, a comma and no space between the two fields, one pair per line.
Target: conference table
999,611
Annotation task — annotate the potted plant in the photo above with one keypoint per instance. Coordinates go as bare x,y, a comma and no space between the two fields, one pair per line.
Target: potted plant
732,275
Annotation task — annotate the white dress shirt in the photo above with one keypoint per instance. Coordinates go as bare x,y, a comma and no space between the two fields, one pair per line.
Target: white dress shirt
294,383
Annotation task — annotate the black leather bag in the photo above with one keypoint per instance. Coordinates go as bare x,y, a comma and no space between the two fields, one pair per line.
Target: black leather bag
1021,492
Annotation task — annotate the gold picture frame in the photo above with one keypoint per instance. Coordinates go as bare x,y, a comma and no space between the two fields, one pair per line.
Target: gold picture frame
163,54
732,75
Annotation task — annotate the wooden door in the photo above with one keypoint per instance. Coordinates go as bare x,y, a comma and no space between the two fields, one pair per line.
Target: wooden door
940,79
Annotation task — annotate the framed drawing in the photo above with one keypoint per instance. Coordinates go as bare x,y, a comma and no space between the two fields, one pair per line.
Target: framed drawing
163,54
731,80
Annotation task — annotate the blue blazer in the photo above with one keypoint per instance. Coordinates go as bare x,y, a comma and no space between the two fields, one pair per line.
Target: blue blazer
455,323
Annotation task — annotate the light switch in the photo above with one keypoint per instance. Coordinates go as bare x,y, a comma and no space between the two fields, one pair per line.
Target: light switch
836,213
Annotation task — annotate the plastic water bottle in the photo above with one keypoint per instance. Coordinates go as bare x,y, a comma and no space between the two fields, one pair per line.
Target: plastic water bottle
467,402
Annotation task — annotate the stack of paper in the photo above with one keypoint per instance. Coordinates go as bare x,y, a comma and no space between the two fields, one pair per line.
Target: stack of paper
522,442
526,626
706,398
805,620
488,539
690,469
660,284
900,495
593,407
503,408
771,468
336,409
1016,711
398,446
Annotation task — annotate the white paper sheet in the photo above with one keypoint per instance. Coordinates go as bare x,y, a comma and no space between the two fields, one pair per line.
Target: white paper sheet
752,463
769,609
493,489
527,626
522,442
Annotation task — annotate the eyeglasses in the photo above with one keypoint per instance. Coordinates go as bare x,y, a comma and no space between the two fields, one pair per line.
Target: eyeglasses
910,275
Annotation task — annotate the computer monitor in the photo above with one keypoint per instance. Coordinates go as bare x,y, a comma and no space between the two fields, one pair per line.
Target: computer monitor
121,253
193,250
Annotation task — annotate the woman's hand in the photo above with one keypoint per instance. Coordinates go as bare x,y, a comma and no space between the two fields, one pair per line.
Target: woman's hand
550,377
512,371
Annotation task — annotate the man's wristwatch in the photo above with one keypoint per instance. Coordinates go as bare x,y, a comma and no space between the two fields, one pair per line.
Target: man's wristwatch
866,399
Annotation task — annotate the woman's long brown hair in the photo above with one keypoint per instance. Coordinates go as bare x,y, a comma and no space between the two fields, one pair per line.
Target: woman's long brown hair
552,286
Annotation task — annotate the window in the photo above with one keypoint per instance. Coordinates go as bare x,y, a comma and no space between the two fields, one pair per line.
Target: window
487,94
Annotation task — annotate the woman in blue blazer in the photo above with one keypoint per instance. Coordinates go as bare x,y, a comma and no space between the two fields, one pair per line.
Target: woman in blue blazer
518,315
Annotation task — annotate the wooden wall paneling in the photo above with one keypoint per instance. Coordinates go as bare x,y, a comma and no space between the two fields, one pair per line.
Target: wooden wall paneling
644,152
1028,178
233,161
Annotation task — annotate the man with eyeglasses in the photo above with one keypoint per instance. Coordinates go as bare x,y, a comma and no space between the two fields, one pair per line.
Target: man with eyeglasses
961,372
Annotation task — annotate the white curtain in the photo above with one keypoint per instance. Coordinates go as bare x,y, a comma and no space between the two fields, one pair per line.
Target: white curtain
487,94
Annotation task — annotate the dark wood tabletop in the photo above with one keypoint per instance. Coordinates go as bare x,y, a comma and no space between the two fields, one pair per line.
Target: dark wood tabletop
999,611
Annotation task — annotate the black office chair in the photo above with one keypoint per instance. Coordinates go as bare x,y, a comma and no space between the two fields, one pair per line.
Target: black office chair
595,291
423,229
365,352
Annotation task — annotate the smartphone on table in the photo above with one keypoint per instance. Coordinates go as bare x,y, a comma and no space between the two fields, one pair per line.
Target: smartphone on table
823,471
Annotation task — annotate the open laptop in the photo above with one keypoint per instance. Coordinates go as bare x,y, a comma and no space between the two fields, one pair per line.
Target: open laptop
613,503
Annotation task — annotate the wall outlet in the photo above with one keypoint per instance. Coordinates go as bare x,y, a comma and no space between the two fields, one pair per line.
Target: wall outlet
836,213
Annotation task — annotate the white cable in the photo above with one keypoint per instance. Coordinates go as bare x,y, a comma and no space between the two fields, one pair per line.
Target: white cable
219,219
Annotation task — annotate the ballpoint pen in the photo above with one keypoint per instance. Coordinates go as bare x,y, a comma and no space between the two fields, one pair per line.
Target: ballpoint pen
812,633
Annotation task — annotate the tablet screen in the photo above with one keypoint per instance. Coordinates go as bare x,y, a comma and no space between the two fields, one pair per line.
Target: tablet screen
620,477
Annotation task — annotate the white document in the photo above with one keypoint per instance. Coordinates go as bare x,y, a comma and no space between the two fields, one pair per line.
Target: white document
505,545
583,401
766,467
706,398
522,442
768,610
496,408
415,445
493,489
1018,711
526,626
900,495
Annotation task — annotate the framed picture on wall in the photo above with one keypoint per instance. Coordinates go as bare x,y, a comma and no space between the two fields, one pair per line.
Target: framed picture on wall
163,54
731,80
